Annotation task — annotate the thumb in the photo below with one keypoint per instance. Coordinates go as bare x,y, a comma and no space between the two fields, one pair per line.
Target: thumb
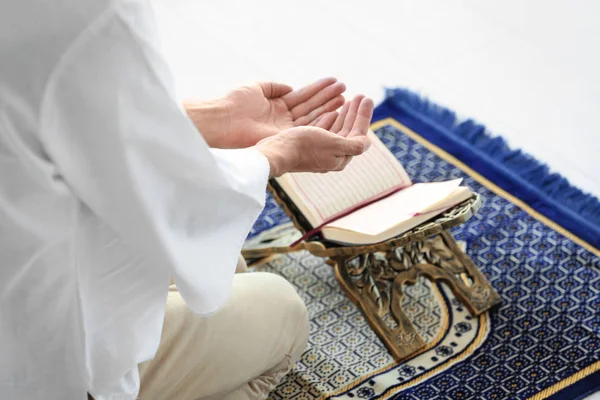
344,164
354,146
272,90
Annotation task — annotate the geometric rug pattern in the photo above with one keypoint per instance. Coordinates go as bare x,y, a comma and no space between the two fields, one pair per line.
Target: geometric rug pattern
543,337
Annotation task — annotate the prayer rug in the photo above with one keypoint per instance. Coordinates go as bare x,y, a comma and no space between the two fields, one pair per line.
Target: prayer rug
536,239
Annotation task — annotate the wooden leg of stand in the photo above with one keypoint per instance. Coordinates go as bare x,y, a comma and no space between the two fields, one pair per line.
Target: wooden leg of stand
376,284
358,283
440,259
480,295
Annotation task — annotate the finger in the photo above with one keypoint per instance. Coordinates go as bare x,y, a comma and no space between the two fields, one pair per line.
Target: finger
316,121
303,94
316,101
326,120
272,90
351,116
331,105
339,122
363,118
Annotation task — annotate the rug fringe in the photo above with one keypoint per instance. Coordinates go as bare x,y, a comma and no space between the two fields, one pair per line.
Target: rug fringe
520,164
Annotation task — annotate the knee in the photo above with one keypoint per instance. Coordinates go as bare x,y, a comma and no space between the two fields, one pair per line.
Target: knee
299,322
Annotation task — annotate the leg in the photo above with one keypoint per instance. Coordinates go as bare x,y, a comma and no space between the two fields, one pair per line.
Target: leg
241,352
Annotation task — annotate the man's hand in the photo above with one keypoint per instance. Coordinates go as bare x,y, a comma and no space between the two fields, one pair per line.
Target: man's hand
316,149
251,113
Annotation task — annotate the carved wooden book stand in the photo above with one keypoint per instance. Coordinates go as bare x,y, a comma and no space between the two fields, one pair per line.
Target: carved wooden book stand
373,275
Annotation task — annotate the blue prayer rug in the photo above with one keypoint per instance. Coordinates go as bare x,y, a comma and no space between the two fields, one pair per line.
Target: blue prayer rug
536,239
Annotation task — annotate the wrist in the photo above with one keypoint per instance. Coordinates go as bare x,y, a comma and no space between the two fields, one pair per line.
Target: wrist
274,159
211,118
277,153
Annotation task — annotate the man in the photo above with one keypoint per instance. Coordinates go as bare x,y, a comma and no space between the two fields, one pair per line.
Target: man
107,191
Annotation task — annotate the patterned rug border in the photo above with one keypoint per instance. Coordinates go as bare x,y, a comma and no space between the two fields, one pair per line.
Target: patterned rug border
484,327
437,340
587,372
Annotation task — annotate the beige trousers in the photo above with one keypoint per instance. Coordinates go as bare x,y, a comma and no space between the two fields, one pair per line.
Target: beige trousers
241,352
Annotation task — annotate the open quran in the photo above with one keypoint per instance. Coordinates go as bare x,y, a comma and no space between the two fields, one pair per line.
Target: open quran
370,201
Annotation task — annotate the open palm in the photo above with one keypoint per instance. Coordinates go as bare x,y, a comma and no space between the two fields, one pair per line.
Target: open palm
265,109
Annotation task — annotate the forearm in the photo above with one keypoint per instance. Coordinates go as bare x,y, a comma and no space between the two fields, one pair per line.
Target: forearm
211,119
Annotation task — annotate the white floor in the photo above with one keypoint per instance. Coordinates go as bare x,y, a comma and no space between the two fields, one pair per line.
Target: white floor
527,69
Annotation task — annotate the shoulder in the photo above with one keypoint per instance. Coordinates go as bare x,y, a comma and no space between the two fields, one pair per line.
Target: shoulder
37,36
122,37
115,58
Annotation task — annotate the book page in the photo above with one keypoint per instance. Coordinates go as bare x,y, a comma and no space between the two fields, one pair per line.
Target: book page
358,234
420,198
321,196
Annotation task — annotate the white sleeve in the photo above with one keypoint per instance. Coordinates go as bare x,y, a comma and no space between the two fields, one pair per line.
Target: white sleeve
127,150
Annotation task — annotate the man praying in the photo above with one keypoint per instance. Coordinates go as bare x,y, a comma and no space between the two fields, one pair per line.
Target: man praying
123,213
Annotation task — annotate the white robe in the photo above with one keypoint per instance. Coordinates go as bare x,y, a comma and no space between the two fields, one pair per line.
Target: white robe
106,190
